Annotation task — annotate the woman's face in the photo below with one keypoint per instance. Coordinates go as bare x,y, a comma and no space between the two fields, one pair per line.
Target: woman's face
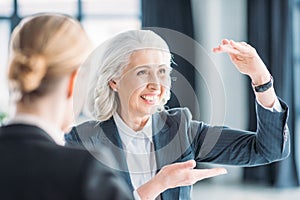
144,82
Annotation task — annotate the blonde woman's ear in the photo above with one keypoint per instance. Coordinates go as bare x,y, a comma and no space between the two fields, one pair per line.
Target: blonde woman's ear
72,83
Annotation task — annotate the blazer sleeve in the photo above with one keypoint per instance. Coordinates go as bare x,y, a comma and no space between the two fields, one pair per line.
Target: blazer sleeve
224,145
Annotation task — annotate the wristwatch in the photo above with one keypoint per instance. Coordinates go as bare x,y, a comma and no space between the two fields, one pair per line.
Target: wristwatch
264,87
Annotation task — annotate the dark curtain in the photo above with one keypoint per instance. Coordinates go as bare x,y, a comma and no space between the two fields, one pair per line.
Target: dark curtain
270,32
15,19
175,15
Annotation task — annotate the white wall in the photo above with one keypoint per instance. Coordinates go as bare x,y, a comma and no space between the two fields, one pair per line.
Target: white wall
213,21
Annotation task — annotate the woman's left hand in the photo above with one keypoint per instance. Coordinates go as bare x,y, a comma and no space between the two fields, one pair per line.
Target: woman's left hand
246,60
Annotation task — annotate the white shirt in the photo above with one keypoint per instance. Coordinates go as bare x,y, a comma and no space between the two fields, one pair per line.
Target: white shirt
138,146
276,107
54,132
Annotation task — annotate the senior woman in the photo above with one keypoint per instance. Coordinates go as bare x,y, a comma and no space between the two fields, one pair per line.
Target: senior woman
158,149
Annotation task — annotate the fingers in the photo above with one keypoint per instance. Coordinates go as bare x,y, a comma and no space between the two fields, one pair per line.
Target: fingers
226,48
232,47
225,41
183,174
243,47
200,174
190,164
244,43
219,48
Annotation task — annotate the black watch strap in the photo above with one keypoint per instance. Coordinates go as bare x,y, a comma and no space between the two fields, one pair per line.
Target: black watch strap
264,87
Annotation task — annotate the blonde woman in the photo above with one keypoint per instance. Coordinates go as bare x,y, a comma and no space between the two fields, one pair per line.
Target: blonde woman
158,149
46,52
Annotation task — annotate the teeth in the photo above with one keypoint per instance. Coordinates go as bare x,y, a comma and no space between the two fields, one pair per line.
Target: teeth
149,98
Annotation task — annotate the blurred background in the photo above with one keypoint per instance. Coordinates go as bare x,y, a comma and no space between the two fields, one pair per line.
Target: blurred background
271,26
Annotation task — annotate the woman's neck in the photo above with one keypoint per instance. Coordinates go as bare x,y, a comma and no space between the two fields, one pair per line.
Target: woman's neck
42,108
35,117
133,121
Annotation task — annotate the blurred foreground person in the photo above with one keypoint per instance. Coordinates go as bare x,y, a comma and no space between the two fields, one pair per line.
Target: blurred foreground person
46,52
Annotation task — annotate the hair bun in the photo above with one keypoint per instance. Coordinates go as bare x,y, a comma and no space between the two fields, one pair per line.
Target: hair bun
27,71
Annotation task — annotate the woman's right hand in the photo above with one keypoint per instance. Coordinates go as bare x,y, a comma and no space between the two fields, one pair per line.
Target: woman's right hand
176,175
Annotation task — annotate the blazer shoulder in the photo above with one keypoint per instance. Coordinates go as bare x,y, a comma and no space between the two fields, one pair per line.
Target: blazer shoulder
178,114
88,124
80,132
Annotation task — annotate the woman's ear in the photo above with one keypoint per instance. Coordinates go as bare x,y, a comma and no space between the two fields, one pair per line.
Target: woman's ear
72,83
113,85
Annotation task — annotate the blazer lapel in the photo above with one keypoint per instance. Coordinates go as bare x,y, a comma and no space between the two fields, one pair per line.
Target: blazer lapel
167,150
161,136
111,132
166,140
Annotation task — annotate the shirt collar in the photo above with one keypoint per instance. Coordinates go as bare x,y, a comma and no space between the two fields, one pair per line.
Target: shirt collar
54,132
127,134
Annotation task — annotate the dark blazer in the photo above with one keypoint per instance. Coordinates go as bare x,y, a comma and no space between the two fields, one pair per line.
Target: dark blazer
178,138
33,167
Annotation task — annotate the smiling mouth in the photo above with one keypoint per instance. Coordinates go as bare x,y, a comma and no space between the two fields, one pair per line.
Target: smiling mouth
150,99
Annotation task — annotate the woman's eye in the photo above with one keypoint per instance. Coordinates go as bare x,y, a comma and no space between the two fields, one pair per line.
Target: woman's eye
142,72
162,71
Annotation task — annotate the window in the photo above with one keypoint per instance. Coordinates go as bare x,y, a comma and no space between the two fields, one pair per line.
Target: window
29,7
104,18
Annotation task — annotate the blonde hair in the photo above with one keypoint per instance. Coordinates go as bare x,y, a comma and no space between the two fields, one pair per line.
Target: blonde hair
44,48
115,54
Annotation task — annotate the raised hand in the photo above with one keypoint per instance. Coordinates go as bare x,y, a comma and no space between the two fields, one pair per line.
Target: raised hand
175,175
246,60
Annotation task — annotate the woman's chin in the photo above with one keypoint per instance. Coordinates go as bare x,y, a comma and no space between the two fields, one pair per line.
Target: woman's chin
151,109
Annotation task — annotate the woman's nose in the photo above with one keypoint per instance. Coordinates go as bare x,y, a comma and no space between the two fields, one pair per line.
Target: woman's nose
154,82
153,86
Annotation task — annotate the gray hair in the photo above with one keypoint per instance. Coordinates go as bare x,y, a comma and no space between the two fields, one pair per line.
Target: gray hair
115,55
